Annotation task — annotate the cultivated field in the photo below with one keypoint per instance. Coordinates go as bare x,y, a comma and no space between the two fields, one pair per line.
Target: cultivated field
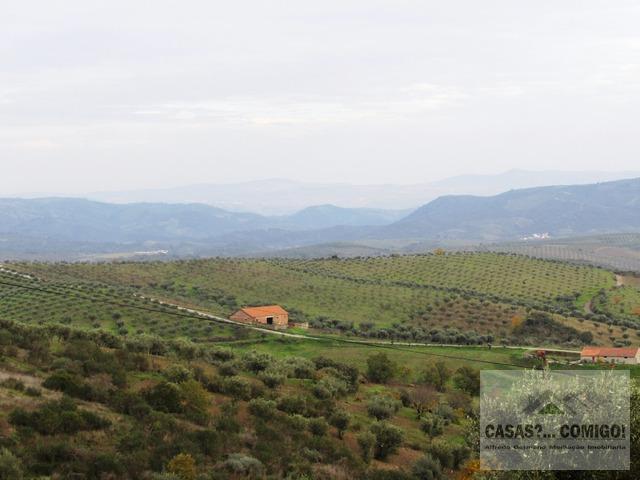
437,298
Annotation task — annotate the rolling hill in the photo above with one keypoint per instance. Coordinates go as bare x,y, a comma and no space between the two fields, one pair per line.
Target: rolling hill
56,227
561,211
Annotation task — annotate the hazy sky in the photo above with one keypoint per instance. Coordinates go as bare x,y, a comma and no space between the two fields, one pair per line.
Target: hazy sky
116,94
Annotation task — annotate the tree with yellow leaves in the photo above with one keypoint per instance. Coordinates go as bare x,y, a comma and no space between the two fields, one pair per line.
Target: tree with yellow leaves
183,466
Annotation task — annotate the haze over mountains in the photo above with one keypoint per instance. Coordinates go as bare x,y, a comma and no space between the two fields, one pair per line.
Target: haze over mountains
280,197
78,228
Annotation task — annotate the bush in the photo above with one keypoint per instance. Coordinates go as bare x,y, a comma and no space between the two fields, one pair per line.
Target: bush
241,464
257,361
272,378
382,407
183,466
467,379
10,466
229,369
261,408
55,417
318,426
293,404
388,439
165,397
446,413
366,442
177,374
130,403
194,401
237,388
340,420
431,425
13,384
300,367
449,456
427,468
436,374
70,384
380,368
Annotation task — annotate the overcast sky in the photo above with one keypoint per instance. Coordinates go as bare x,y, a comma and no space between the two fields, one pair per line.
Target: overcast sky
102,95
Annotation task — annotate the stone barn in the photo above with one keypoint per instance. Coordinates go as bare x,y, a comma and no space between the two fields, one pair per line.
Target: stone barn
273,316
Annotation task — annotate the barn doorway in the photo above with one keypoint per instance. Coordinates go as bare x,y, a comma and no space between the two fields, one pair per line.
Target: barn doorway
269,320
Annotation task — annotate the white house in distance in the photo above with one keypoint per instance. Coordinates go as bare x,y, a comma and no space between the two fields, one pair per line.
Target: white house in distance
629,355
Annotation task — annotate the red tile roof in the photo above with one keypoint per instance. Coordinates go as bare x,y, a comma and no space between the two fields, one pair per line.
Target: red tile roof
608,352
266,310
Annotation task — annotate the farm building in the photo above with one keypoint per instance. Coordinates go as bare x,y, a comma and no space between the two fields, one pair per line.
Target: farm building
270,315
630,355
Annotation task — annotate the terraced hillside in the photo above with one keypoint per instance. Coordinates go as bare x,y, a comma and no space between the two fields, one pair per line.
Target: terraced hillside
441,298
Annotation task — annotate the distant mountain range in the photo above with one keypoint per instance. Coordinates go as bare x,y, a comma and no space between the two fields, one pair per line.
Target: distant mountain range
85,220
63,224
560,211
285,197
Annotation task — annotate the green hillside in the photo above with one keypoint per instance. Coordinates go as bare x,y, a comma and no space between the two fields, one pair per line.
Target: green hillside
100,307
437,298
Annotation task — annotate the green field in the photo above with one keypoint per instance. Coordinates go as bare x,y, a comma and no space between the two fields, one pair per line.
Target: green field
102,308
160,384
448,298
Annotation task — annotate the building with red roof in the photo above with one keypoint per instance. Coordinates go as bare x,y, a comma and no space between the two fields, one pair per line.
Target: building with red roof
269,315
630,355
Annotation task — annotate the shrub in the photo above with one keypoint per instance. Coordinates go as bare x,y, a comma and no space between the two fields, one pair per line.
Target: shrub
366,442
261,408
449,456
318,426
165,397
237,388
177,374
229,369
183,466
130,403
292,404
13,384
10,466
257,361
241,464
55,417
340,420
431,425
32,392
380,368
271,378
467,379
436,374
446,413
300,367
194,401
388,439
70,384
427,468
382,407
